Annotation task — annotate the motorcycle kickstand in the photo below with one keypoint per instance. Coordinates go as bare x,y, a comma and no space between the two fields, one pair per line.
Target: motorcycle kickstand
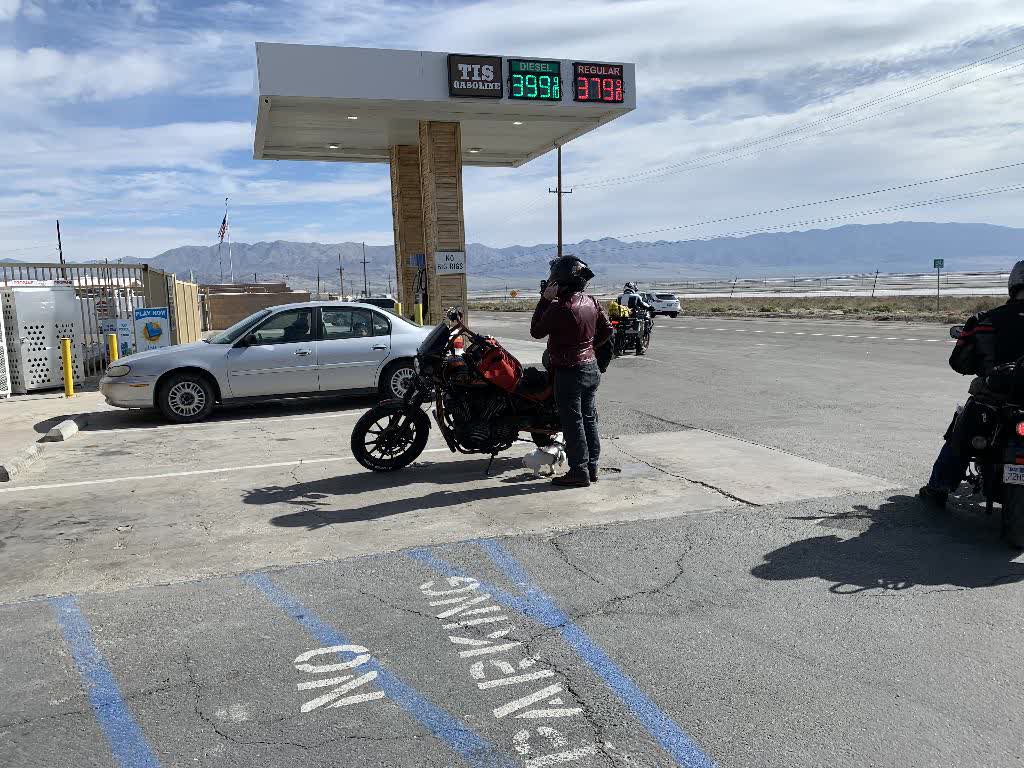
490,463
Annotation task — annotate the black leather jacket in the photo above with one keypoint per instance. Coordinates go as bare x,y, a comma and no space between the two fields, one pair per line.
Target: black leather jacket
999,339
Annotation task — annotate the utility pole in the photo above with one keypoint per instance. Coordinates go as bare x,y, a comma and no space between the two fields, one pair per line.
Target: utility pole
366,283
341,275
875,285
318,281
389,283
559,192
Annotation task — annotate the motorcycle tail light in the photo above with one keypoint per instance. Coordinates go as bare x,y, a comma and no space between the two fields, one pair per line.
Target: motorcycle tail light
1020,428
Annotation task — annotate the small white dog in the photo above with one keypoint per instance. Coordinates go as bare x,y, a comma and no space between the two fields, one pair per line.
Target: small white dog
548,460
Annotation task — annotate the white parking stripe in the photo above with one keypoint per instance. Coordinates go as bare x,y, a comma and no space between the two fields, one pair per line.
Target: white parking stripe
190,472
265,419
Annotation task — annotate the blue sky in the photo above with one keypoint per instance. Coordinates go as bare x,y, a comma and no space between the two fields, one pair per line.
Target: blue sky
132,120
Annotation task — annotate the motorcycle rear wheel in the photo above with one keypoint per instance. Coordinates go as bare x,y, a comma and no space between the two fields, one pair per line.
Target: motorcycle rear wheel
1013,515
390,436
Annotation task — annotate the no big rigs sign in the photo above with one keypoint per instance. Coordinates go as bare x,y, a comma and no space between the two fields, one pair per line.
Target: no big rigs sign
474,76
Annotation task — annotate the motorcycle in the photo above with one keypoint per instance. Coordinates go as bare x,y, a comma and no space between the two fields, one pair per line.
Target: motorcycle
633,332
991,433
482,400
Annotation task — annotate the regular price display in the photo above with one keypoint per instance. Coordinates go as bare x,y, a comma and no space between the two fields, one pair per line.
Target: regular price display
534,80
602,83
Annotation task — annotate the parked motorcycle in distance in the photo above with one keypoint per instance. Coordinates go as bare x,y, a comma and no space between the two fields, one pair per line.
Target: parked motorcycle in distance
482,400
633,332
992,434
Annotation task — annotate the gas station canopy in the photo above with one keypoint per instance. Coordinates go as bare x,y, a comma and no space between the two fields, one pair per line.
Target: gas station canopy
353,104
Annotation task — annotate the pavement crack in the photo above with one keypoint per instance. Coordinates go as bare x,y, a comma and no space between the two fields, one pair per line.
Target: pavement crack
701,483
556,544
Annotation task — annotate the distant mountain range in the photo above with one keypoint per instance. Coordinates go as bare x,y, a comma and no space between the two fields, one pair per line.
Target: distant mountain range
897,247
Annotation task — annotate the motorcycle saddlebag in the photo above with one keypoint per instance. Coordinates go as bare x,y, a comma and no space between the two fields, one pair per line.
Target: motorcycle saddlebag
499,368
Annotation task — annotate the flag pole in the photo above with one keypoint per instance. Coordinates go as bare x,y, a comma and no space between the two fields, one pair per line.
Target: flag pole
220,241
231,261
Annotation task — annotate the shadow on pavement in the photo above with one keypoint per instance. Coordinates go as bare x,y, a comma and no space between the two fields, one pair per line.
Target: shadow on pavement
101,421
900,545
319,497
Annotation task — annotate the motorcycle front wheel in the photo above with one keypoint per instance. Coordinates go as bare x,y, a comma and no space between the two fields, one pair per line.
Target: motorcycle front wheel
390,436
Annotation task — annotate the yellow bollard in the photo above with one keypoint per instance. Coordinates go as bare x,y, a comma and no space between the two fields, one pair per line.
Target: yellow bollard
65,357
419,314
398,308
112,347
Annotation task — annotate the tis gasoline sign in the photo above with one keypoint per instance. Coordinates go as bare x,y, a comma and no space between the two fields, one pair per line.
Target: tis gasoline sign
474,76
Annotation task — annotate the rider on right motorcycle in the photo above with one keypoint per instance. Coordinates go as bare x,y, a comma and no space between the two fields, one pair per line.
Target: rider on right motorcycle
989,339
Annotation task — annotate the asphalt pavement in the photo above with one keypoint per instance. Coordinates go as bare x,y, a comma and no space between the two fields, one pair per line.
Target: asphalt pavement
752,582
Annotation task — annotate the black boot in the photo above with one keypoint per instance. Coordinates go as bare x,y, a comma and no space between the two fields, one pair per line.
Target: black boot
572,480
936,497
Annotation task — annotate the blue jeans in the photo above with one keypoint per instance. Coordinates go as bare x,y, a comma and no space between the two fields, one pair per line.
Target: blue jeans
950,466
576,398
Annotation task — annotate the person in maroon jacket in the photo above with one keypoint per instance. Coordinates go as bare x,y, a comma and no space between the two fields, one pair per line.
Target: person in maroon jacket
572,320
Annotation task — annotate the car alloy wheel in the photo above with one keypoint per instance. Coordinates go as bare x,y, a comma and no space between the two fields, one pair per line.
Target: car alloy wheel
186,399
401,380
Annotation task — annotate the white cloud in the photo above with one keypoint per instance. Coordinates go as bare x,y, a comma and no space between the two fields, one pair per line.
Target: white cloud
48,75
9,9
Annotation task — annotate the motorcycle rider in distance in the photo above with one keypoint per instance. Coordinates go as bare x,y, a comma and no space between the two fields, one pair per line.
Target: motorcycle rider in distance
632,299
574,323
989,339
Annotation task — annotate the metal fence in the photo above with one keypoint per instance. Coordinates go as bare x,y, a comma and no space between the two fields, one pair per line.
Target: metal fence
108,293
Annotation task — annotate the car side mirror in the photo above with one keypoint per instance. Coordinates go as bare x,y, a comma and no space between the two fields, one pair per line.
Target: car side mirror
250,340
956,331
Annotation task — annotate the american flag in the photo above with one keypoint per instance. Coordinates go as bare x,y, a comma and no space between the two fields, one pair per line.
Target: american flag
223,228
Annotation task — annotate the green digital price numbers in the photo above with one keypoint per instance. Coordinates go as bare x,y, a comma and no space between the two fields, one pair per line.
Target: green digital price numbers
534,80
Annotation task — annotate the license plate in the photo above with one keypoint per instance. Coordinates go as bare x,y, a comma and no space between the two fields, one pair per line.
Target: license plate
1013,474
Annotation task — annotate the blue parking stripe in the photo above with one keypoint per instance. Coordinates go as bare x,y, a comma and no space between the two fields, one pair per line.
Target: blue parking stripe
538,606
459,737
127,743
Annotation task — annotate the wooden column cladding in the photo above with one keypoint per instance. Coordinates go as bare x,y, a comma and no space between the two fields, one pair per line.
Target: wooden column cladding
407,216
440,148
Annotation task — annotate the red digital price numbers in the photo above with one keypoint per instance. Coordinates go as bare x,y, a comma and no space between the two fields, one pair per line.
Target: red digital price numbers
600,83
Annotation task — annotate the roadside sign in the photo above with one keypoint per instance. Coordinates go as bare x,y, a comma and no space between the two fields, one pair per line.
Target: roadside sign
939,264
125,330
152,328
513,293
450,263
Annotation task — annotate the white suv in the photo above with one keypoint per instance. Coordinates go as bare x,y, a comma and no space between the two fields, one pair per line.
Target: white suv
663,303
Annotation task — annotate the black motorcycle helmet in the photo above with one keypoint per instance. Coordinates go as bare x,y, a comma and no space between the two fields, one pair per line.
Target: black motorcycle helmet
571,273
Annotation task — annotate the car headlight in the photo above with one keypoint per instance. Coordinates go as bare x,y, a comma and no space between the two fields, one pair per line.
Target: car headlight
118,370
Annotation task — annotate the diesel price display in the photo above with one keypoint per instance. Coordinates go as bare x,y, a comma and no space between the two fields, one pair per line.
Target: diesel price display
539,80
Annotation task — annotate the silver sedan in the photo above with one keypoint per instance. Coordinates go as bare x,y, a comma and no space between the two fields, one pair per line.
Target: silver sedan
294,350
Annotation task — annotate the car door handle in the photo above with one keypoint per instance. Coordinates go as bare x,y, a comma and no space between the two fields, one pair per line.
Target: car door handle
302,352
379,346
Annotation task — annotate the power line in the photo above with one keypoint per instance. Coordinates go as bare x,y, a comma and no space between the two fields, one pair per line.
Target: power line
29,248
838,199
695,163
822,220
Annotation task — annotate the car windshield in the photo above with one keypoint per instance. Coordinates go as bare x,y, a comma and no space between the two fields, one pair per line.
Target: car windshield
234,333
434,343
